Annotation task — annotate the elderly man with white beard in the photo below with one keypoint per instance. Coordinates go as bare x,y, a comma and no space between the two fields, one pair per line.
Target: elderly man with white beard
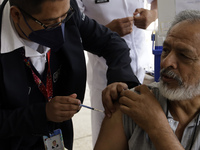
164,115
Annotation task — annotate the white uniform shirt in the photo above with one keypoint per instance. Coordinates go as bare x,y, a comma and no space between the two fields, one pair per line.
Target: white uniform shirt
10,35
104,13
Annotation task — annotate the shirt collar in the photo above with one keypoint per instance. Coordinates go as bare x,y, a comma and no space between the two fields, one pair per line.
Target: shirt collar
10,39
191,123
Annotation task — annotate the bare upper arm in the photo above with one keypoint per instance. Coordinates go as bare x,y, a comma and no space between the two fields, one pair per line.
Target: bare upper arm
112,134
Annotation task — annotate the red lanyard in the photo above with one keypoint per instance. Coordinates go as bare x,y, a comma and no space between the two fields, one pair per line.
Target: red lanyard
48,90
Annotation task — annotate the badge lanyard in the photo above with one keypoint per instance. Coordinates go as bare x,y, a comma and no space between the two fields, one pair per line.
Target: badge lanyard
55,139
48,90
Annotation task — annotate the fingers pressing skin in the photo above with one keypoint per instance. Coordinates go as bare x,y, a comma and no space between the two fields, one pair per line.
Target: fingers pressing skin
141,107
111,93
62,108
122,26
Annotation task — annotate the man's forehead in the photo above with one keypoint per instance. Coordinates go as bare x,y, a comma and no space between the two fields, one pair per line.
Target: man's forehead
184,34
186,26
53,3
54,9
185,31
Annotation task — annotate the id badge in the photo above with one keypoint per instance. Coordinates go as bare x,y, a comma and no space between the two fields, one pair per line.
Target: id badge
54,141
101,1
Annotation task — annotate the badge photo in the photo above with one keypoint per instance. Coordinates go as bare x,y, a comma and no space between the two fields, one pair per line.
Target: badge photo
54,141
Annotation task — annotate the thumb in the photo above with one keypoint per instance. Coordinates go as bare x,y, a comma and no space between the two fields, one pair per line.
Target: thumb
138,11
74,95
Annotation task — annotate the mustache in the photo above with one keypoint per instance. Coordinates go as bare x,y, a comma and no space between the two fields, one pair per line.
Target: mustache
169,73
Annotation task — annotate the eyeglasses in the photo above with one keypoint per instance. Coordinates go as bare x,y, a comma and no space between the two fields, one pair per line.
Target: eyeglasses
66,17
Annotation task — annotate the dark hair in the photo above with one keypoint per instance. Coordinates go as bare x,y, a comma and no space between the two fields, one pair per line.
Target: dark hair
30,6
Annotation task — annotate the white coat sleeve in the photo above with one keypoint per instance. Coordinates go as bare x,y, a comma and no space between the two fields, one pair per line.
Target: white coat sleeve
81,5
150,1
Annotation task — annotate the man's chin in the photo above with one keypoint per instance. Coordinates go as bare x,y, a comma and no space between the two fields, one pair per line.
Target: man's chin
170,85
175,92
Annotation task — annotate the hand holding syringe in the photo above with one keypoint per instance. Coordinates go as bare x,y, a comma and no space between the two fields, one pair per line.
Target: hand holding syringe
81,105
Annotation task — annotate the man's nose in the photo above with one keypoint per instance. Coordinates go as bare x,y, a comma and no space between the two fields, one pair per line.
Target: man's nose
58,21
169,61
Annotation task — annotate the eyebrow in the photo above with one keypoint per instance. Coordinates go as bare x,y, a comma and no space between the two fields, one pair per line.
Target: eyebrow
185,48
188,50
165,43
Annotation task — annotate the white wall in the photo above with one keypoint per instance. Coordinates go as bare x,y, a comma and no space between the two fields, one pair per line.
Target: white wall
167,9
166,13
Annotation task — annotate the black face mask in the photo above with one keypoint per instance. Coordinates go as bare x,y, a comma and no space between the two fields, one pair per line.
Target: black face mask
52,38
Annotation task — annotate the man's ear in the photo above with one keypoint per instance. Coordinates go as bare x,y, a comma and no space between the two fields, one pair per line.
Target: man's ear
15,14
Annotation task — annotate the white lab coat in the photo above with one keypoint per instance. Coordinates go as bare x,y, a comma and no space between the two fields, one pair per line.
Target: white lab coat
104,13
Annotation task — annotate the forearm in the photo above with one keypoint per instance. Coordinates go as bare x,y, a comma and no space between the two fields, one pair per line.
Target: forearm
154,5
154,9
113,48
164,138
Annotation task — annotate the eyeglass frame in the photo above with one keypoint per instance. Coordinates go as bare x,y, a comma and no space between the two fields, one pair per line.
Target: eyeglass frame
71,11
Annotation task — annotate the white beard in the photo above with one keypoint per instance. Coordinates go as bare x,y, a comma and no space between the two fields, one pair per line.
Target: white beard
184,92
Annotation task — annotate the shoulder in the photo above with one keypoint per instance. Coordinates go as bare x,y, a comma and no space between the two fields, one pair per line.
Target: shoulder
77,15
161,99
155,89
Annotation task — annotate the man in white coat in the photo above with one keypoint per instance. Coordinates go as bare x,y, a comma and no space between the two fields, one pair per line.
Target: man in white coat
129,19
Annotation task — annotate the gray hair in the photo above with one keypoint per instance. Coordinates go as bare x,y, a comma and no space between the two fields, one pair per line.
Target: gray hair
191,16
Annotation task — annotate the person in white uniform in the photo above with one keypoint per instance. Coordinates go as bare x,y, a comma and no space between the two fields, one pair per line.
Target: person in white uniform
129,19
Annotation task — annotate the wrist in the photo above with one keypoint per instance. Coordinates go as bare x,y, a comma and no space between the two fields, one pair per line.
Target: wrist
154,14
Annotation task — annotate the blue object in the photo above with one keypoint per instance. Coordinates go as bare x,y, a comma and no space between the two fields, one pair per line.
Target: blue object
86,106
157,53
91,108
157,50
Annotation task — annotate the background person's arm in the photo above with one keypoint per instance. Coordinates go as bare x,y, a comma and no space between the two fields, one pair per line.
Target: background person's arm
122,26
146,17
